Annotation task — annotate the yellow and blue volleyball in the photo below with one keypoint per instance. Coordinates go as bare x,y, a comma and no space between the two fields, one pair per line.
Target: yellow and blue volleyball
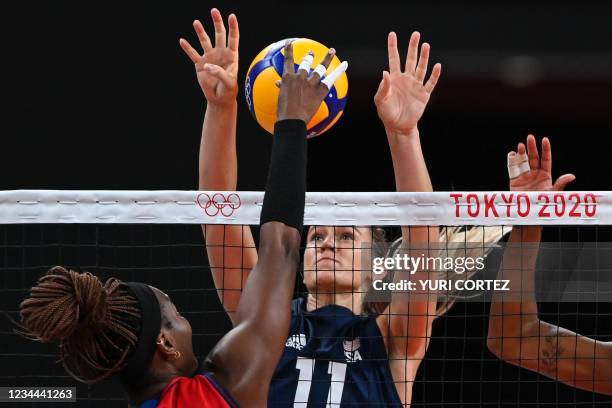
262,93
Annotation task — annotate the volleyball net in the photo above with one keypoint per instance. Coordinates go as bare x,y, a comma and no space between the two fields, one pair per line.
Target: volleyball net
155,237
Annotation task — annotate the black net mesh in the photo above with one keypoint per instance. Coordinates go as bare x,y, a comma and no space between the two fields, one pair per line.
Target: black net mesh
458,369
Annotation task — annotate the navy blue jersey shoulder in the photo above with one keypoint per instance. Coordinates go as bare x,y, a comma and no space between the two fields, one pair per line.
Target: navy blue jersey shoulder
333,356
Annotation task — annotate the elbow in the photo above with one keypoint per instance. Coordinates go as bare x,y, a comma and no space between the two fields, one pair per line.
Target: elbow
504,347
505,335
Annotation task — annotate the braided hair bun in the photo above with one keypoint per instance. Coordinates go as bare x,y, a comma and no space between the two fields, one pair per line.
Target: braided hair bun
96,325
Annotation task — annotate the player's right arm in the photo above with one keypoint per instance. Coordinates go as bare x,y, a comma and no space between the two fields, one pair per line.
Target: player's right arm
245,359
401,100
230,248
516,333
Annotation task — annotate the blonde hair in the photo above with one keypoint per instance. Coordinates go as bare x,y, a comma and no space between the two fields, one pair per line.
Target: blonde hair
462,241
456,241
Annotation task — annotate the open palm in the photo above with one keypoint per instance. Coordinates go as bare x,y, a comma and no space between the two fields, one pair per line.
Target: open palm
402,96
539,177
217,68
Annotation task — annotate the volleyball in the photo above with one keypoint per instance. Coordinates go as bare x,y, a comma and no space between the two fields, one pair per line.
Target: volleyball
262,93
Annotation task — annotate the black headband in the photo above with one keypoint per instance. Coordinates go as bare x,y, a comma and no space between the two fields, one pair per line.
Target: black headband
151,324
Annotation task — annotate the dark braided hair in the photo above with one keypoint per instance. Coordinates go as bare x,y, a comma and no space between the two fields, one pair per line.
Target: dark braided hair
96,325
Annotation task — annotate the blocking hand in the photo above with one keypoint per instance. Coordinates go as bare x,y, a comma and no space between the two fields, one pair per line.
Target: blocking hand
530,173
217,68
402,96
302,92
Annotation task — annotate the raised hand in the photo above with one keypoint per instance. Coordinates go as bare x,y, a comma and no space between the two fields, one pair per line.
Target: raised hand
529,172
302,92
402,96
217,68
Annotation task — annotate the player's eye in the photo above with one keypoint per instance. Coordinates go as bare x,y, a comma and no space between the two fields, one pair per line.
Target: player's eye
347,236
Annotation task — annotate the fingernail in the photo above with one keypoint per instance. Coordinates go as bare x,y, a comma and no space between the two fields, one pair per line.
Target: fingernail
331,51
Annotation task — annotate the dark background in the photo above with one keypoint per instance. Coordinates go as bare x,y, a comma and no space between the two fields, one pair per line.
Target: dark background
100,96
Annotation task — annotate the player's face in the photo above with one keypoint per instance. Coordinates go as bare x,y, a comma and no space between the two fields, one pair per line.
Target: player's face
333,258
178,332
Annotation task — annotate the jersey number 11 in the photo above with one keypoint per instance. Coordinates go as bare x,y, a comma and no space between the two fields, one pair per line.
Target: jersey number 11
306,367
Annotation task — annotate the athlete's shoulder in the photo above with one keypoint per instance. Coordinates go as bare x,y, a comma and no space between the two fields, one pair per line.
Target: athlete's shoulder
201,390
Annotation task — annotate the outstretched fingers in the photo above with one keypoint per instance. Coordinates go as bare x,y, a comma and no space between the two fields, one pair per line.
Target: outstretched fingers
191,53
321,69
421,69
522,160
546,163
220,34
289,65
563,181
532,153
383,89
334,75
518,162
234,33
394,58
413,51
433,78
304,67
513,171
202,36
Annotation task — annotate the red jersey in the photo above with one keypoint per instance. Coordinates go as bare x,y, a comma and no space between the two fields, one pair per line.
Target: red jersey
201,391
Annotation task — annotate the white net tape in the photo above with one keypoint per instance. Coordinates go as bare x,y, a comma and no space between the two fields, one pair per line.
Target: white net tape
364,208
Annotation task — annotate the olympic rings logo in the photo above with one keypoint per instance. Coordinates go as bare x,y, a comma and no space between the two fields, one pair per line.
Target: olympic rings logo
247,92
219,204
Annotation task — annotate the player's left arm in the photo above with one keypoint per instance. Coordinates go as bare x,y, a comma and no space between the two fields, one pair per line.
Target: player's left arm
400,100
516,333
244,360
230,248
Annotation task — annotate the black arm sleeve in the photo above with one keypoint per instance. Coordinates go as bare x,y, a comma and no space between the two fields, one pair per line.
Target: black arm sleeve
286,186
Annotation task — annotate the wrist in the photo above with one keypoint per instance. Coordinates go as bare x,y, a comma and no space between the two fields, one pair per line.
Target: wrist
289,124
402,135
291,116
222,107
